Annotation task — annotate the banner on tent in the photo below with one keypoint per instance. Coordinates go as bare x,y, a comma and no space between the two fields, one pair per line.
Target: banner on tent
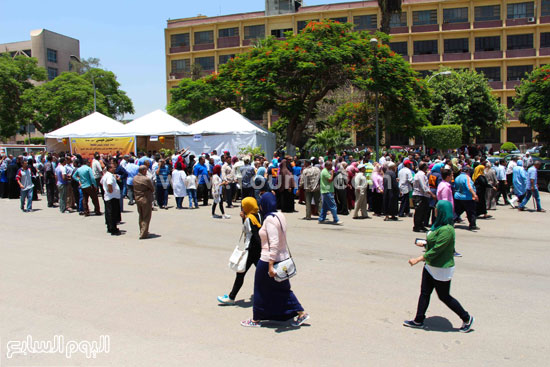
86,147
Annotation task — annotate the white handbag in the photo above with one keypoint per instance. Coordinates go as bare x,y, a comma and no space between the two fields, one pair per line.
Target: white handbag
237,260
285,269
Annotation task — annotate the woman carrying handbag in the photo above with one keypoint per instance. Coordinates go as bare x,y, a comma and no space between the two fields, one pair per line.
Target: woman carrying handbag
251,227
273,300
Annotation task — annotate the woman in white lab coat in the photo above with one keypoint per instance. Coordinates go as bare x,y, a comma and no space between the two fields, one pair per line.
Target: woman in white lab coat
178,184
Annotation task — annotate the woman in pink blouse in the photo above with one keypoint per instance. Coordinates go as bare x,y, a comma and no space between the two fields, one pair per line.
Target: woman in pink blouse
377,189
444,190
273,300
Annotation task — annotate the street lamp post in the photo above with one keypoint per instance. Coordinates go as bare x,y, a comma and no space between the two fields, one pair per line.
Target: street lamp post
374,44
92,75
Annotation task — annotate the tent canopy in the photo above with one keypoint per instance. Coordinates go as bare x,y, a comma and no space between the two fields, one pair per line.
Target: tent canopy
226,130
156,123
95,125
227,121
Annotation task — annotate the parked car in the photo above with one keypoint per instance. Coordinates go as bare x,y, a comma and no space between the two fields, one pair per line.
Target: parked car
534,150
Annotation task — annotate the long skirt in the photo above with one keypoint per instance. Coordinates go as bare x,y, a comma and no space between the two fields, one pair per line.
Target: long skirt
341,201
377,202
390,203
273,300
287,201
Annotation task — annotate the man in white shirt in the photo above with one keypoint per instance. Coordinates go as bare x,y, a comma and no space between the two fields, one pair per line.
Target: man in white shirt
405,177
360,183
112,200
98,171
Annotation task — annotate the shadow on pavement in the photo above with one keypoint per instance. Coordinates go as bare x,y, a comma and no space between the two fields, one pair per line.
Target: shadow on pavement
438,323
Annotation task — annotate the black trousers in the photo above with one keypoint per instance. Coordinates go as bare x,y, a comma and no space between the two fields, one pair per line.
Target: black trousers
50,192
421,211
239,278
502,191
405,205
468,206
112,214
3,190
443,292
221,207
341,201
202,192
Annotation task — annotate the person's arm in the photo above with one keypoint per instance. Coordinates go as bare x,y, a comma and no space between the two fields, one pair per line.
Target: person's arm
331,178
442,239
471,189
272,232
18,179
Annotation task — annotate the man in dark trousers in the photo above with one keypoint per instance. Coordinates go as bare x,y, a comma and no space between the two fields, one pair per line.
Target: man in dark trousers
143,193
49,176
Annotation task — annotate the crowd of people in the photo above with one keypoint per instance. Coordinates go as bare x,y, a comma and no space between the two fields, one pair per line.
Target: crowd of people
439,189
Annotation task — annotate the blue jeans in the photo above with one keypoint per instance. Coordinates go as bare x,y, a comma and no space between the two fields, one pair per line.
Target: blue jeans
528,194
26,194
192,193
328,204
162,196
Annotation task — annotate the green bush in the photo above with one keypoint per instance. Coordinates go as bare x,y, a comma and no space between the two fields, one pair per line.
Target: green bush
508,147
252,151
36,140
442,136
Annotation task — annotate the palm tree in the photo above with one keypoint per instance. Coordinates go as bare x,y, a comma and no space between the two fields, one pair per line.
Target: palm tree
388,8
331,139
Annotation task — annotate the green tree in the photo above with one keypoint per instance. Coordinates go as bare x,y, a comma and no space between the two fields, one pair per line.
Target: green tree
442,137
404,99
61,101
465,98
331,140
15,78
387,9
117,102
533,101
508,147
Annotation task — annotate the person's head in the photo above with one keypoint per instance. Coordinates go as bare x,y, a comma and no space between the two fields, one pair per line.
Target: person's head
423,166
217,170
362,168
537,164
179,166
142,170
246,161
328,165
520,163
502,161
515,159
62,161
249,206
147,163
268,204
443,214
307,164
162,162
131,160
96,155
447,175
111,167
25,164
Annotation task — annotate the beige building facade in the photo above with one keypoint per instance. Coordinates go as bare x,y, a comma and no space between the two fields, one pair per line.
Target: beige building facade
53,52
504,39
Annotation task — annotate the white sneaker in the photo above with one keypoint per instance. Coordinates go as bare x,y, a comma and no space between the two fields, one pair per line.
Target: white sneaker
513,202
226,216
226,300
339,223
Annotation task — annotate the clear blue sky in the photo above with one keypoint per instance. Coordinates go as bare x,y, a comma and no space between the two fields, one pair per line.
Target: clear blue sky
126,35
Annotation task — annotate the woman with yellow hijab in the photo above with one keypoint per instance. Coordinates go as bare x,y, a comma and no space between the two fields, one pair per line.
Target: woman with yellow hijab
481,184
251,230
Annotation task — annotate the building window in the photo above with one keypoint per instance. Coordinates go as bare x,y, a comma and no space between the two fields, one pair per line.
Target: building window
52,55
179,40
280,33
52,73
181,66
491,73
521,10
254,32
303,23
456,15
224,59
399,48
425,17
490,12
206,63
545,8
228,32
518,72
510,103
519,134
520,41
488,43
545,39
365,22
205,37
456,45
398,20
340,20
425,47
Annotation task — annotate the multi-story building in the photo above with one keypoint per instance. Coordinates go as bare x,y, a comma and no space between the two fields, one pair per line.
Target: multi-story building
503,39
53,52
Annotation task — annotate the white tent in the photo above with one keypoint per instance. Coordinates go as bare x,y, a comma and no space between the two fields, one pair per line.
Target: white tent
95,125
227,130
156,123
